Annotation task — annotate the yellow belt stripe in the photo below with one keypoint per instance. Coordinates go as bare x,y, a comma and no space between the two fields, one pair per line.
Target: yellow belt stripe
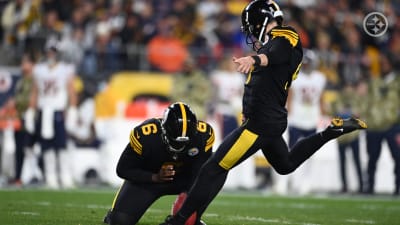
245,141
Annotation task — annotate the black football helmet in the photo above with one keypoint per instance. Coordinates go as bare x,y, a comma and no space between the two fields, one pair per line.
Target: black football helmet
255,18
179,126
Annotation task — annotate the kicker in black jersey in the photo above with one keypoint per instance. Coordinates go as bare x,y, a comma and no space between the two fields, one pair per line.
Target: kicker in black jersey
267,87
271,70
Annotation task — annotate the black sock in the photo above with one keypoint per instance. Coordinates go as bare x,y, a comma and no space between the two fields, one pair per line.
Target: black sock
306,147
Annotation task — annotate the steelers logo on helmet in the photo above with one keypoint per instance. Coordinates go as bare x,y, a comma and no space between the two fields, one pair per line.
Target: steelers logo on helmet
255,17
193,151
179,126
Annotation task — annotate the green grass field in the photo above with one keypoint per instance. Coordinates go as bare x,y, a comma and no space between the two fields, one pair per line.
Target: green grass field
88,207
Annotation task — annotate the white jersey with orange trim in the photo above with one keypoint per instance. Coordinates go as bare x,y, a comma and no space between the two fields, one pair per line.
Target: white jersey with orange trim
305,110
229,90
52,83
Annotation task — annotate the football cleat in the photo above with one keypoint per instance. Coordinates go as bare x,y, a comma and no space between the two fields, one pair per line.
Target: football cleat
344,126
169,221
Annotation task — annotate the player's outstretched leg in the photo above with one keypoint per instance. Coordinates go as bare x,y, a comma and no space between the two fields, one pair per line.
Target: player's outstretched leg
340,126
306,147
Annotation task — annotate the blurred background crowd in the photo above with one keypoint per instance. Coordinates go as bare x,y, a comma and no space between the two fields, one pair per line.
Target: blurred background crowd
126,52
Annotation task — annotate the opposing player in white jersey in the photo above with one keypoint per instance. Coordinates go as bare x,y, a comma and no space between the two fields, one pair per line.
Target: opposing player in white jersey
53,102
228,84
305,106
305,110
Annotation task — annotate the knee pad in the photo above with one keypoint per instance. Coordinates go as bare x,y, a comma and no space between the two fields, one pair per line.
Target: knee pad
119,218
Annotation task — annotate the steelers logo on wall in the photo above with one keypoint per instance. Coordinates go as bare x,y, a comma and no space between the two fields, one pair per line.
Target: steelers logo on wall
375,24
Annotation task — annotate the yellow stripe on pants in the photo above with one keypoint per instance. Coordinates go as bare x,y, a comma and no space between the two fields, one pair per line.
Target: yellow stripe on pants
242,144
116,196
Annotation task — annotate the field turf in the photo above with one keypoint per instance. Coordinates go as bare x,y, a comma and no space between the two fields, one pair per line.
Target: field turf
88,207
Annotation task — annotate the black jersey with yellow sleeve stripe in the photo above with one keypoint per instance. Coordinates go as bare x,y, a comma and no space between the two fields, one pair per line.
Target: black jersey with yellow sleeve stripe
147,152
266,87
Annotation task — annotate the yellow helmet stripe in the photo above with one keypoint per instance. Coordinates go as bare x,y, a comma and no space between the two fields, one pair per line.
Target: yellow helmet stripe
184,122
276,5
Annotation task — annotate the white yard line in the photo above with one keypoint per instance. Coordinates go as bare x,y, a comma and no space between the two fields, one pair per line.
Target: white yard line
26,213
267,204
95,206
43,203
360,221
158,210
264,220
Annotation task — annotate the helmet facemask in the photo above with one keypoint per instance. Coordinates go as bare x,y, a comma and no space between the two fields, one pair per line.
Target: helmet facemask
255,18
256,34
175,145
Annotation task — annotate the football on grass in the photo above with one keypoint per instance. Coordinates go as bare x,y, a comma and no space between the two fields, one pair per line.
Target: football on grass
178,204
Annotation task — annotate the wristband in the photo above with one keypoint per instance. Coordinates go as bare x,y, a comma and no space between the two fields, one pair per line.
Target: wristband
256,59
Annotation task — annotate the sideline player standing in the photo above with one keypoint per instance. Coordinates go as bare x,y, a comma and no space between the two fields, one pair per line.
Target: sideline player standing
52,110
162,158
270,73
